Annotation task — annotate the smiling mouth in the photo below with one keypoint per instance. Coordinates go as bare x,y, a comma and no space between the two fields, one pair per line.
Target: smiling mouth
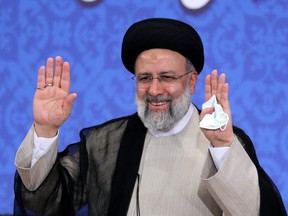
158,103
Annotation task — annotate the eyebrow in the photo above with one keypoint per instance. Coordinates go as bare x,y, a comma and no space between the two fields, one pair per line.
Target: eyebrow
161,73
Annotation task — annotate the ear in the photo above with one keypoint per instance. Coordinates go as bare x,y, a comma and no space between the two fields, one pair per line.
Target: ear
193,81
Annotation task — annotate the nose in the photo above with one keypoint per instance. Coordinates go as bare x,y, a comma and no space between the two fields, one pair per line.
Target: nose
155,87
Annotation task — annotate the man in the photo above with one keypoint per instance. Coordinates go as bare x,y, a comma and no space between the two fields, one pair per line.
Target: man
156,162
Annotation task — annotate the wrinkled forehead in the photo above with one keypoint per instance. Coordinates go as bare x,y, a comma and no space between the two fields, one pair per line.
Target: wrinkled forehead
160,60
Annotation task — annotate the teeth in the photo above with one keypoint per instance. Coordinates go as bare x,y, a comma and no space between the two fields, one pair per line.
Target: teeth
158,104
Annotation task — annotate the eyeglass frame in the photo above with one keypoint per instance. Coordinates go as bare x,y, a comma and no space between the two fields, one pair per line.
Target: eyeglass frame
159,78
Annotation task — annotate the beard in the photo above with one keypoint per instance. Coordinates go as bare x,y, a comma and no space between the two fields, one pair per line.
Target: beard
163,119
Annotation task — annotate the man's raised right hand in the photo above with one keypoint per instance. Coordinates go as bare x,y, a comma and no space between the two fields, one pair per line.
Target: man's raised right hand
52,103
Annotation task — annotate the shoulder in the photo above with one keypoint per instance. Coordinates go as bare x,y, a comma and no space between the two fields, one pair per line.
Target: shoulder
110,126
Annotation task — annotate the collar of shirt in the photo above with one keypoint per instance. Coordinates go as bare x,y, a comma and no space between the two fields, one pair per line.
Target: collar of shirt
178,126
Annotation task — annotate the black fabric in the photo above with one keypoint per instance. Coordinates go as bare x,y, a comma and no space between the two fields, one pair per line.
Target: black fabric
105,183
162,33
126,171
58,187
270,199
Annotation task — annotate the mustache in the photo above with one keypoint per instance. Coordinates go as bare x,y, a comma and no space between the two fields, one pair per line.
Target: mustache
158,98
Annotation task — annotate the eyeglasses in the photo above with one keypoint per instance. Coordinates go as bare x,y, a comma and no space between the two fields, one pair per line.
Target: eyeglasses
145,80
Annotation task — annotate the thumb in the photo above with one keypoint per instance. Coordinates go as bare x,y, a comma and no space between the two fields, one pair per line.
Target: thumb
68,103
205,111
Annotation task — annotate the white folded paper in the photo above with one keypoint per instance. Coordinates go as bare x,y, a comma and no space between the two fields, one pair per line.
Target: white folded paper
218,119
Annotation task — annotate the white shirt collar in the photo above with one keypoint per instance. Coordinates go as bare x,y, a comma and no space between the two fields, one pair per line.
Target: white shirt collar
177,128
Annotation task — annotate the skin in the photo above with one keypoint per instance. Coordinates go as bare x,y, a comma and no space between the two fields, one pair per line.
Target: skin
52,105
219,87
155,61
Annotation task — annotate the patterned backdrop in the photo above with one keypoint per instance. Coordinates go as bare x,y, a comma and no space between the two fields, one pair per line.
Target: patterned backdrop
247,39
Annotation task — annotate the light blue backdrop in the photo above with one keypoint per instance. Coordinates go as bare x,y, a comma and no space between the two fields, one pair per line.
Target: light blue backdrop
247,39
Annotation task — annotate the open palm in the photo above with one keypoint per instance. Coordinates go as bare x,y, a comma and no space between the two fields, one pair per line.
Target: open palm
52,103
219,88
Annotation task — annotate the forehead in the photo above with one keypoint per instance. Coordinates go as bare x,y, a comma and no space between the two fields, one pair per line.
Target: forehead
159,59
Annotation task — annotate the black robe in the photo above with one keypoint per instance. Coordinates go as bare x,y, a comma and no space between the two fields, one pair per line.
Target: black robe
114,162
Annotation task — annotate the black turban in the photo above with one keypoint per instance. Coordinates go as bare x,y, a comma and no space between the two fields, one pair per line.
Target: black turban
162,33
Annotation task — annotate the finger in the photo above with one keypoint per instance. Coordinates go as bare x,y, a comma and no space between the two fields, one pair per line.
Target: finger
65,78
214,82
41,78
68,104
221,83
58,71
70,99
205,111
49,71
224,97
207,87
226,105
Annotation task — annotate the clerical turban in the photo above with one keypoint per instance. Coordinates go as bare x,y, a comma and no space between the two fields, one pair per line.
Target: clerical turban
162,33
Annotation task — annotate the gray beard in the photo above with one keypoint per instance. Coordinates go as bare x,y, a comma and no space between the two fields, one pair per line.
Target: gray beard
164,119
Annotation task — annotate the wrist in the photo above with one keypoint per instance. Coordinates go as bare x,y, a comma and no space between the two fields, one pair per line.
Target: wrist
45,131
226,143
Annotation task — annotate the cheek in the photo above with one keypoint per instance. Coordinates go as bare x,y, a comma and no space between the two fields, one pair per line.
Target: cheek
175,92
141,93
